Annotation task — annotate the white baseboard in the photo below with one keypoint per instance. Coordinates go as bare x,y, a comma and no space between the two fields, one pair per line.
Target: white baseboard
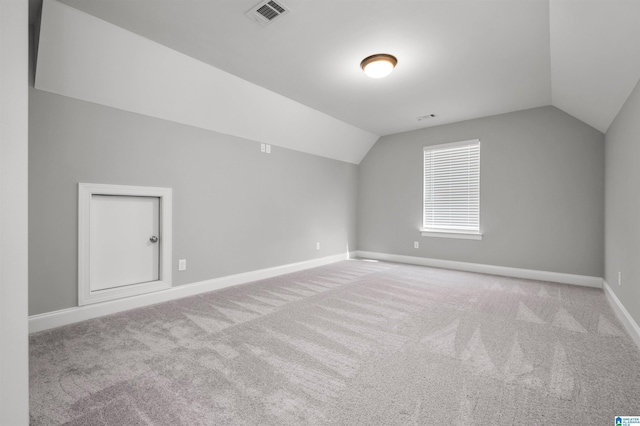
621,312
68,316
531,274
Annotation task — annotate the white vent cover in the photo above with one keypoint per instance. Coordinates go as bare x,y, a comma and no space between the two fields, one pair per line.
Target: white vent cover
268,11
426,117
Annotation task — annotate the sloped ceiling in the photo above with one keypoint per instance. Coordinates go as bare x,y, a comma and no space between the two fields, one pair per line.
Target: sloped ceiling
595,57
86,58
458,59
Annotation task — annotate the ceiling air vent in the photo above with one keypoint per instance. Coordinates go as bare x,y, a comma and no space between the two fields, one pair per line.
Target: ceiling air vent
268,11
426,117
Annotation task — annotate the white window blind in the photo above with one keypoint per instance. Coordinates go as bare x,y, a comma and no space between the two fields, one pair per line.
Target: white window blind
452,187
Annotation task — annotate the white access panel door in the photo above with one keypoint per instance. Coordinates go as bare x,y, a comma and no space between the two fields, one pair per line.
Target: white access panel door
124,247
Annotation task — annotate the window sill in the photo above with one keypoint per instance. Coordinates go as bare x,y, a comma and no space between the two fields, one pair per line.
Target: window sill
452,234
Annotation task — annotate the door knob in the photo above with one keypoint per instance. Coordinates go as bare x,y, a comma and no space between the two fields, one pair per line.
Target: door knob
153,239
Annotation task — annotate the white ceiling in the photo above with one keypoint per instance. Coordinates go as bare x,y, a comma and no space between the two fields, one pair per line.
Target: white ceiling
595,57
458,59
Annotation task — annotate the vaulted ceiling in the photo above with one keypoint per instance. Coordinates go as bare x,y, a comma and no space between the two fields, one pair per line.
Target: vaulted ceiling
457,59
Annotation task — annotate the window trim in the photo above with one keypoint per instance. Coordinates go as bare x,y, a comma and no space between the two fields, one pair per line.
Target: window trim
448,234
451,232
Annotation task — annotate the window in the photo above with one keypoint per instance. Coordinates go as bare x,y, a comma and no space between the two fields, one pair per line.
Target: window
452,190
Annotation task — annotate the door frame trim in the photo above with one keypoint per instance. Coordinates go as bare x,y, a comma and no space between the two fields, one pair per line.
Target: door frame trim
85,193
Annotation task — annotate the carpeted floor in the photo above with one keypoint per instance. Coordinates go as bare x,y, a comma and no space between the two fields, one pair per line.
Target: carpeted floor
353,343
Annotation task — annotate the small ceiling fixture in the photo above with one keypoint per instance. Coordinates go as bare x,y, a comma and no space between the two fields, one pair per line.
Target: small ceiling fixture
378,65
267,11
426,117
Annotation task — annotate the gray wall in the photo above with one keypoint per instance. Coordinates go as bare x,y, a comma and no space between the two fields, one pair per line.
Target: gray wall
622,204
235,209
542,193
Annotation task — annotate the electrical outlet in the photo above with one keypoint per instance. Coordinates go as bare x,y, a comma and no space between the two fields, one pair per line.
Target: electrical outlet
182,264
317,246
262,147
619,278
416,244
268,149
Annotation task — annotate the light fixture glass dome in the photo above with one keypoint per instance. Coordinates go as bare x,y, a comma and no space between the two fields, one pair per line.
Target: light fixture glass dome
379,65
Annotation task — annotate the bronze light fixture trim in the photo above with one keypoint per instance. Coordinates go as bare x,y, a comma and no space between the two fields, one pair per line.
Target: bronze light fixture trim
378,65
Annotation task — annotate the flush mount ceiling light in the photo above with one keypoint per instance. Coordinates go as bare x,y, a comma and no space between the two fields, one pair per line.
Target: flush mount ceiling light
379,65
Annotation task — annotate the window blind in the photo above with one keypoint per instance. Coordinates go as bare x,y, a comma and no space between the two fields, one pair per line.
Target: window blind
452,187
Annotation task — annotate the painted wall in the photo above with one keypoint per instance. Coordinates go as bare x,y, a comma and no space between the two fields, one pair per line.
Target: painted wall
542,193
622,204
14,355
82,57
235,209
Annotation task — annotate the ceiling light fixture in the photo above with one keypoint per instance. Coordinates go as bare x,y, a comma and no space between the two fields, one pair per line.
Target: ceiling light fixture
378,65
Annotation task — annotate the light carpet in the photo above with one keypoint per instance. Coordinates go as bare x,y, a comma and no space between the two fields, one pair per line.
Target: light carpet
352,343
